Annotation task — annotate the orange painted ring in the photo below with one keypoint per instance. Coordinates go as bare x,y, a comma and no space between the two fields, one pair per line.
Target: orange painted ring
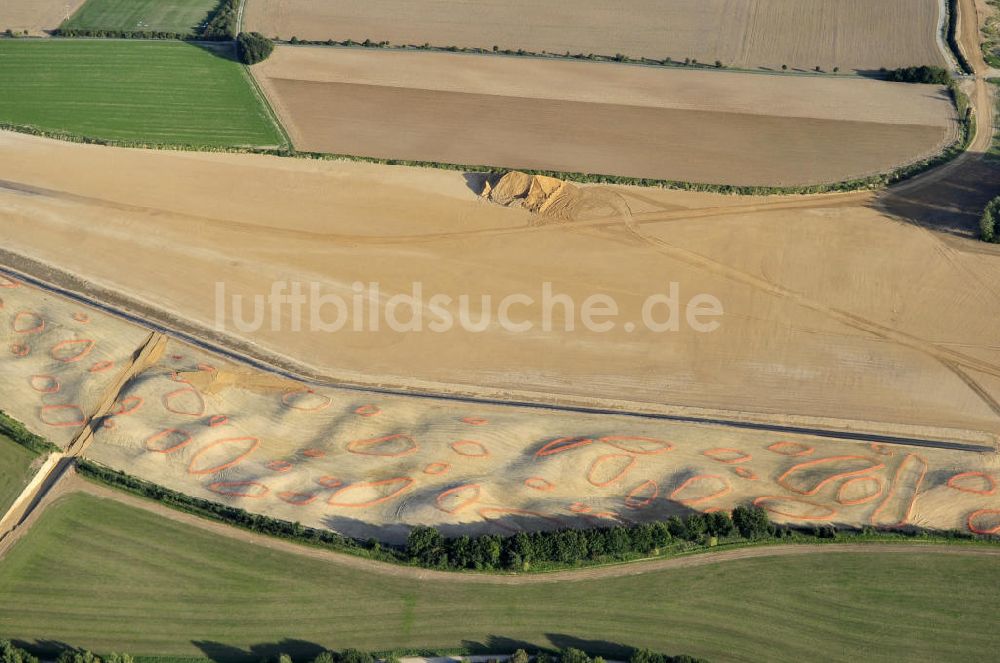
279,466
297,499
20,349
255,443
475,421
437,468
875,466
167,398
802,449
38,383
129,405
978,530
325,402
220,487
561,445
892,491
712,453
79,421
370,446
368,411
988,491
459,446
406,481
538,483
314,453
153,439
101,366
727,488
633,501
761,501
619,442
38,323
218,420
600,460
88,348
328,481
475,489
861,500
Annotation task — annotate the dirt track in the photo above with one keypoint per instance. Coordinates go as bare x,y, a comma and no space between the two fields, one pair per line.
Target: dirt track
597,573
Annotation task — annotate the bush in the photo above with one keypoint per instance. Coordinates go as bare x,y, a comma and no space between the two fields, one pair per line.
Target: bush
221,25
922,74
11,654
16,431
988,230
253,47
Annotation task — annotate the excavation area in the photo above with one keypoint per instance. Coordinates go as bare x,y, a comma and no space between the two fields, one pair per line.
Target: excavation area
687,125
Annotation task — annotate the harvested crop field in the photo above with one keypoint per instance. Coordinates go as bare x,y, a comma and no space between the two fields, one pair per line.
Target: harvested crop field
180,16
713,127
163,585
821,319
850,34
144,91
36,16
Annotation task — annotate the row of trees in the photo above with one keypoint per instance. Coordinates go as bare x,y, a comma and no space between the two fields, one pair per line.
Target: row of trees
426,546
221,25
988,230
921,74
18,433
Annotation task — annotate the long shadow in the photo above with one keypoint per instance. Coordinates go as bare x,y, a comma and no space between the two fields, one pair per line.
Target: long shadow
225,50
299,650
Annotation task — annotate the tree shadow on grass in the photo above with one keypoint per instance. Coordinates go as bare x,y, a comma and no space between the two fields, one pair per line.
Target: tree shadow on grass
299,650
225,50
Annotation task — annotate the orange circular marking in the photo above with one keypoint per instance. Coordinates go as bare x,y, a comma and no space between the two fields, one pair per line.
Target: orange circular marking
462,497
784,506
181,440
791,448
989,488
866,496
206,368
642,495
437,468
279,466
289,398
218,420
110,424
389,446
746,473
470,448
626,462
46,384
782,481
128,405
81,317
314,453
237,489
27,322
977,529
337,499
909,459
177,357
538,483
20,349
197,411
561,445
329,482
297,499
101,366
580,507
192,466
880,449
78,349
725,490
50,418
475,421
644,446
727,455
8,283
368,411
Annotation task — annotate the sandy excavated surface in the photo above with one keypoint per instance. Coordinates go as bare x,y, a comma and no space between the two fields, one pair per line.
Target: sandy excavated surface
831,308
851,34
36,16
686,125
57,360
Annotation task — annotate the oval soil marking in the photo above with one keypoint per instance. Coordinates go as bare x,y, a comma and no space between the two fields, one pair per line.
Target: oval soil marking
437,468
561,445
305,400
644,446
218,420
345,497
727,455
101,366
187,402
796,508
368,411
978,483
62,416
251,444
128,405
642,495
977,526
609,469
692,485
791,448
72,351
745,473
470,448
475,421
279,466
8,283
175,439
869,465
538,483
902,493
297,499
859,490
328,481
389,446
81,317
46,384
27,322
20,349
580,507
250,489
314,453
458,498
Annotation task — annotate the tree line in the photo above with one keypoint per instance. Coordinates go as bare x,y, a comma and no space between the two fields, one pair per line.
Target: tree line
988,230
18,433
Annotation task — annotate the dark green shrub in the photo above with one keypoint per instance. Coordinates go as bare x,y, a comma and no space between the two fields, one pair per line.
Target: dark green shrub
253,47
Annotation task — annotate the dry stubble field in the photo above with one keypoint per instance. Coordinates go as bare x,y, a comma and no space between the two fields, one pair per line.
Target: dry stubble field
700,126
850,34
36,16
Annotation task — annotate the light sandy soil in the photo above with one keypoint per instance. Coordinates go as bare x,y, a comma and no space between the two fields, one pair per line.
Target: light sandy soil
715,127
851,34
36,16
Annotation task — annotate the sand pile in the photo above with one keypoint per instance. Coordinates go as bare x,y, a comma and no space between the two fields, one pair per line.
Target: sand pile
538,194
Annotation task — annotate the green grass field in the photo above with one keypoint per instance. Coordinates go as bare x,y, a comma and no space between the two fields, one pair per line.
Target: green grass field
151,91
98,574
181,16
15,471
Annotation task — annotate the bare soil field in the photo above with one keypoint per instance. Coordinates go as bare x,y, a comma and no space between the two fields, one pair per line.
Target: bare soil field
715,127
850,34
36,16
831,308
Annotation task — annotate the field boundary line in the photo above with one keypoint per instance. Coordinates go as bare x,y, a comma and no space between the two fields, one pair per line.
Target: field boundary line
263,99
